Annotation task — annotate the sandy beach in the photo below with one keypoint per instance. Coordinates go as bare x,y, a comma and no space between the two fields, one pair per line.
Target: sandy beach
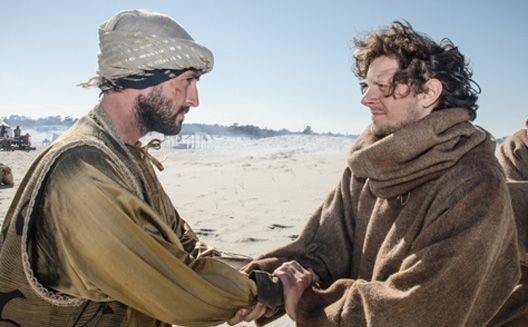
240,195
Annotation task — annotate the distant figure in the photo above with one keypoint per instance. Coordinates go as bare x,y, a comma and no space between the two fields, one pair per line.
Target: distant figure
420,229
3,131
91,238
6,176
25,140
17,132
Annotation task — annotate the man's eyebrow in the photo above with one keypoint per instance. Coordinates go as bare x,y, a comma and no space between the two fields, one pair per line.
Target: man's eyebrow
196,74
381,83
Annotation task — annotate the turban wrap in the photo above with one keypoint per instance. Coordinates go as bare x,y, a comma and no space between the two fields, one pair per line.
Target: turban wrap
140,49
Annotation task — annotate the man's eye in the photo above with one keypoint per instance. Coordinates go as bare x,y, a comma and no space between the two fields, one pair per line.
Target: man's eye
385,89
363,87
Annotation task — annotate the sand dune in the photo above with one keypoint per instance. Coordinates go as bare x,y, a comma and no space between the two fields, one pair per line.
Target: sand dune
240,195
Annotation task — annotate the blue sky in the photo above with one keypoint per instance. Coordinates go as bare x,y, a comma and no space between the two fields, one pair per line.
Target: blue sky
278,63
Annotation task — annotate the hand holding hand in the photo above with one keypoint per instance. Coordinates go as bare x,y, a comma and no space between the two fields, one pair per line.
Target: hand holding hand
295,279
245,315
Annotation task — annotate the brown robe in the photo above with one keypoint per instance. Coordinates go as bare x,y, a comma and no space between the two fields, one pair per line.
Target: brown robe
418,232
513,157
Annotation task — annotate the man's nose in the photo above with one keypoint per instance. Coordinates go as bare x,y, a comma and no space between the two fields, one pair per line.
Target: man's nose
368,97
192,99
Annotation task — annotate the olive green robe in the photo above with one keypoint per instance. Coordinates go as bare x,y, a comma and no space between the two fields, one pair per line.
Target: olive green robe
92,239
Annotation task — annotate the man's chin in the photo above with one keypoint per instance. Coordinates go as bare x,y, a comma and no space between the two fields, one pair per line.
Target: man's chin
169,131
378,131
173,132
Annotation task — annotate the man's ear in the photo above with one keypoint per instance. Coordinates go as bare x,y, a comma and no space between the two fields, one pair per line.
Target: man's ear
433,90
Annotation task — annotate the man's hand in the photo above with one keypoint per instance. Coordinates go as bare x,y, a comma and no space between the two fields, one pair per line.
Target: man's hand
245,315
295,279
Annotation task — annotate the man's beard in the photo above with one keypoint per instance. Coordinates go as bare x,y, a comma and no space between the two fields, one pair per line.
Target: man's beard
383,131
156,113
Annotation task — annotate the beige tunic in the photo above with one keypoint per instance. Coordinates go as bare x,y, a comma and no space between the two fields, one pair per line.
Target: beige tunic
419,232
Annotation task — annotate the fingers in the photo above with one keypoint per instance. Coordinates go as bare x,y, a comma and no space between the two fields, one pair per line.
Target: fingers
295,279
238,317
246,315
316,278
258,311
292,274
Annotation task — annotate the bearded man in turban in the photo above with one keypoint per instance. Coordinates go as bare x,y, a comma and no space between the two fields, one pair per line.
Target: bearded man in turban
91,238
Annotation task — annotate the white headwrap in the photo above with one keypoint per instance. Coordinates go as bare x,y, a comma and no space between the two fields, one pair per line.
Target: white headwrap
137,41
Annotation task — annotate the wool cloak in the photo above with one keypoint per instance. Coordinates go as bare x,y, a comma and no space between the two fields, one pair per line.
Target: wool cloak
418,232
513,157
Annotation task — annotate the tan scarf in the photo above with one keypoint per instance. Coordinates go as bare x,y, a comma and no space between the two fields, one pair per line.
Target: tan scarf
415,154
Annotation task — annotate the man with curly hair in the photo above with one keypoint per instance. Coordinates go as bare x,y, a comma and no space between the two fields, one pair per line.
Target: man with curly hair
420,230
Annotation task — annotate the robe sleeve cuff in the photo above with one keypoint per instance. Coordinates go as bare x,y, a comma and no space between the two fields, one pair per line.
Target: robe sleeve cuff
323,307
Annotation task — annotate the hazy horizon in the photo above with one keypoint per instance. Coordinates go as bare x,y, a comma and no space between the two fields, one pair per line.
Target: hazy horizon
40,122
278,64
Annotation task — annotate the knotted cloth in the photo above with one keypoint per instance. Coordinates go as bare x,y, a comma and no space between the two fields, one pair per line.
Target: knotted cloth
138,42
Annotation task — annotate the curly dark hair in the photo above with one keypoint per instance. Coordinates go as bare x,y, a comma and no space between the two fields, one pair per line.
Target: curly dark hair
420,59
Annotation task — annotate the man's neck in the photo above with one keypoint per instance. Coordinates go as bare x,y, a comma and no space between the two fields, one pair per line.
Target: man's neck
119,107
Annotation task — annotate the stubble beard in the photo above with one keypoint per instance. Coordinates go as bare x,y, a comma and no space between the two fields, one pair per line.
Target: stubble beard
382,131
156,113
387,129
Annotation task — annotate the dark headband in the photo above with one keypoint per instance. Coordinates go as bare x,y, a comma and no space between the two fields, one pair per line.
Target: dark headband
141,81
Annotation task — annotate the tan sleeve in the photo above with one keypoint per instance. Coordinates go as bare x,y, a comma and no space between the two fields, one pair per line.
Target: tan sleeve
109,244
330,260
333,220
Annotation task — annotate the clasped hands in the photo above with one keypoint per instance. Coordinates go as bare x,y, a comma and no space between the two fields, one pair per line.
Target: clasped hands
295,280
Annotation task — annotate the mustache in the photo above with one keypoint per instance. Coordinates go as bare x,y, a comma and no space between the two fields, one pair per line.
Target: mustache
184,110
